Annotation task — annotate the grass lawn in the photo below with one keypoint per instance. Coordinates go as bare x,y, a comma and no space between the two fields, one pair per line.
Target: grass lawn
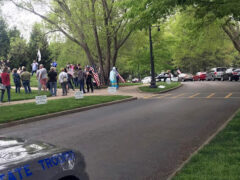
22,111
156,90
219,160
130,84
23,96
33,81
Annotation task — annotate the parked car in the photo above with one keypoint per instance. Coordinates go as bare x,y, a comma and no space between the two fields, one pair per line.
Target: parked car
163,76
146,80
219,73
24,159
235,75
229,73
185,77
200,76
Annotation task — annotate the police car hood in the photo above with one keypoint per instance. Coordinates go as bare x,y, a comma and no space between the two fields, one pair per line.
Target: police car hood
14,151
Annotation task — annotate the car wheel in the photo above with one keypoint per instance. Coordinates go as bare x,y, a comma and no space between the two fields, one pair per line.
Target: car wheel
236,79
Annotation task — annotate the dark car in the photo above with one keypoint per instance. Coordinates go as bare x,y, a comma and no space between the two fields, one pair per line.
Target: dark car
235,75
163,77
29,160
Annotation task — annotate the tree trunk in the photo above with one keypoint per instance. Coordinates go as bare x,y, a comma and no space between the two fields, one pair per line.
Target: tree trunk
234,34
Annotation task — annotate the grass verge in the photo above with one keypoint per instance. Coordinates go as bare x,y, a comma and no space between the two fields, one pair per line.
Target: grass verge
217,160
157,90
23,96
130,84
22,111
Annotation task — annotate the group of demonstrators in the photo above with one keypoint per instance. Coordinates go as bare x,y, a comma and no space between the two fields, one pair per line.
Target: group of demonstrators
70,77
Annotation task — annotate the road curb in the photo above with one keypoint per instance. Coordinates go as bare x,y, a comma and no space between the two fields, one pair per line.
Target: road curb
57,114
203,145
161,91
170,89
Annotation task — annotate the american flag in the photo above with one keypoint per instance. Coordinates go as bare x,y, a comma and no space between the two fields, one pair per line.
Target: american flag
95,76
121,79
179,72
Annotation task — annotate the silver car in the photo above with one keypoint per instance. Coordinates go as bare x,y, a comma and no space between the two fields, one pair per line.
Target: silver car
218,73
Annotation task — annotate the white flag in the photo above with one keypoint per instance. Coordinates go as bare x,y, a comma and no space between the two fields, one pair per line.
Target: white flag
39,55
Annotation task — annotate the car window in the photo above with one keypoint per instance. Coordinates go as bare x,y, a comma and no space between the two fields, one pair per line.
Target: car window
221,69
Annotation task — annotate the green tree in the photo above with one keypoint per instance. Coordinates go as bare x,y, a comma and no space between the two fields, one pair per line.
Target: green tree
38,40
18,52
98,27
67,52
199,47
4,39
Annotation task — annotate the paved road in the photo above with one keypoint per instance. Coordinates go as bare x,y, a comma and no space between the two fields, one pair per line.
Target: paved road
143,139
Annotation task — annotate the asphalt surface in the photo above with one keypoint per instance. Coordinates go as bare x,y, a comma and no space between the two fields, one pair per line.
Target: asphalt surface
143,139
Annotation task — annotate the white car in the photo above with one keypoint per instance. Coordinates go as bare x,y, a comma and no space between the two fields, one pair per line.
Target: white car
146,80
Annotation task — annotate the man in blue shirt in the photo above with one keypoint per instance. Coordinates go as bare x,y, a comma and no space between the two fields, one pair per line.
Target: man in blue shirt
54,64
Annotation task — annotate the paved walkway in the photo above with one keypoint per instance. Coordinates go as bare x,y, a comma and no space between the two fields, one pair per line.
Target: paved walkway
125,91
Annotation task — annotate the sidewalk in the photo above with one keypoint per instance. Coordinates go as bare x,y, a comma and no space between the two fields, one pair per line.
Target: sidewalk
124,91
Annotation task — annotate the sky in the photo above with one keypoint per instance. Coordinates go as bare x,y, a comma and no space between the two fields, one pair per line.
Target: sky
21,19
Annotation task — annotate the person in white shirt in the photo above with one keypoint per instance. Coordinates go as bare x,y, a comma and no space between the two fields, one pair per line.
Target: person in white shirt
34,67
63,80
43,77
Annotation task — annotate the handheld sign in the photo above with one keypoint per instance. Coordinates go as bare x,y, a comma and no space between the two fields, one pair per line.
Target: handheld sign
161,87
79,95
41,100
112,90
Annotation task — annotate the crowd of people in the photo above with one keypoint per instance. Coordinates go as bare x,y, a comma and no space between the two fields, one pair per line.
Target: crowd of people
70,77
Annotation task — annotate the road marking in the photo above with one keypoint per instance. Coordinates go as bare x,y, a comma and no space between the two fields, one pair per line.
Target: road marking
229,95
210,96
160,97
193,96
180,95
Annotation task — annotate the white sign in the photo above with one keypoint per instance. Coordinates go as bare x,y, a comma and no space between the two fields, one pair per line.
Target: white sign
79,95
161,87
41,99
168,80
112,89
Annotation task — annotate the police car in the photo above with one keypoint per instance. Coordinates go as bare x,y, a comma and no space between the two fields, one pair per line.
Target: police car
29,160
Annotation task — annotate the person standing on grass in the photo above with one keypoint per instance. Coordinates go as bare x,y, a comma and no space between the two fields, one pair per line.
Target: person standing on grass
89,78
69,73
38,78
34,67
63,80
25,77
5,76
81,79
52,79
75,76
43,77
17,80
113,77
